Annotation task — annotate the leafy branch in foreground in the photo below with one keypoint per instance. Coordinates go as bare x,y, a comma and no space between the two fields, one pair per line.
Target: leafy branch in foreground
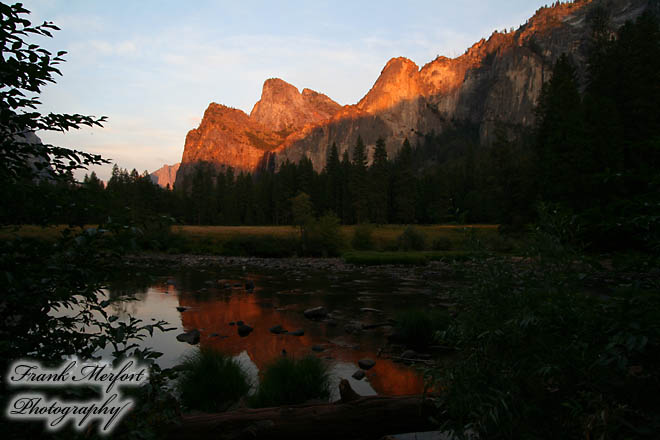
53,304
24,69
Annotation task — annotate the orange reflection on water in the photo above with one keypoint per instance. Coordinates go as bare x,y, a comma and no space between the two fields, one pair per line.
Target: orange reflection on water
213,317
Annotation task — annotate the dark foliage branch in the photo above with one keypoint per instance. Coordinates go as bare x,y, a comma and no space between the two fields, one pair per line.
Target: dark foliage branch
25,68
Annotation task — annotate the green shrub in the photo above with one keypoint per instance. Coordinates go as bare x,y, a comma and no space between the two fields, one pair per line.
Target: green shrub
289,381
323,237
417,328
362,237
412,239
211,381
372,258
540,358
441,244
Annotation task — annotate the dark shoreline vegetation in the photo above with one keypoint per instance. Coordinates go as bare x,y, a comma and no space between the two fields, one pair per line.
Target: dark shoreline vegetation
553,332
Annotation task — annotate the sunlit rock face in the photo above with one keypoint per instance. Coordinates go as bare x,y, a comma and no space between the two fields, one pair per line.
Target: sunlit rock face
496,81
225,137
165,175
282,108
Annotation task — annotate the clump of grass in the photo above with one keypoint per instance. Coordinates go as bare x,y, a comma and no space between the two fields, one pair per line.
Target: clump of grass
412,239
211,381
289,381
363,237
377,258
417,328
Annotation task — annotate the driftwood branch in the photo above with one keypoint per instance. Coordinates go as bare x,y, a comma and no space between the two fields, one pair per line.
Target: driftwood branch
363,418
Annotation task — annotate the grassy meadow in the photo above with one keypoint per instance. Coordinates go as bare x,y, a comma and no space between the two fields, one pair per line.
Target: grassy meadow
383,244
245,240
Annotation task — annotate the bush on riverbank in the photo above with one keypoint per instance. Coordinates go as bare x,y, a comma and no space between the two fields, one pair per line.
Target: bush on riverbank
323,237
412,239
211,381
363,237
290,381
540,357
417,328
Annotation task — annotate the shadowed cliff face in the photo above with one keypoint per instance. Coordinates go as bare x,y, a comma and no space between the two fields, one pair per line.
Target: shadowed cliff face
496,81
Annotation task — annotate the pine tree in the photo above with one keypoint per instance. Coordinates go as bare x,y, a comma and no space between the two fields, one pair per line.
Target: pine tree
333,181
404,186
379,181
559,136
346,190
202,194
359,190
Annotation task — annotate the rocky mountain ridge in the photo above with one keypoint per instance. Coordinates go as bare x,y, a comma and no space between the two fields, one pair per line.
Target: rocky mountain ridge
496,81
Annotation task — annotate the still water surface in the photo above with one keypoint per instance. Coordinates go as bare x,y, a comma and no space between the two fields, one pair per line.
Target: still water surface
215,298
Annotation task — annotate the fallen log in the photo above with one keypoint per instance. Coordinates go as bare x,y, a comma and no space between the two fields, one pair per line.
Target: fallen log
369,417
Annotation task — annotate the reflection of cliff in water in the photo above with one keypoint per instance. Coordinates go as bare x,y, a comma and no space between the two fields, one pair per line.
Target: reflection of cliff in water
262,346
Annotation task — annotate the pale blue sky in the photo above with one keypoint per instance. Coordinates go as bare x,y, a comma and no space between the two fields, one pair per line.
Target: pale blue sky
153,66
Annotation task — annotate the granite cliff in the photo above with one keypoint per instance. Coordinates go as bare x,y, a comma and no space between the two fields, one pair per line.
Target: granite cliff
496,81
165,175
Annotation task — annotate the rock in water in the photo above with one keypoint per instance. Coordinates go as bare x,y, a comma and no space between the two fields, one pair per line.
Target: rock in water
366,364
278,329
191,337
409,354
244,330
353,327
297,333
359,375
316,313
370,310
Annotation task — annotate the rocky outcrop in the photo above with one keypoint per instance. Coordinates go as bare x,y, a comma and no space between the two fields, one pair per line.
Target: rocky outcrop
496,81
283,109
165,175
225,137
